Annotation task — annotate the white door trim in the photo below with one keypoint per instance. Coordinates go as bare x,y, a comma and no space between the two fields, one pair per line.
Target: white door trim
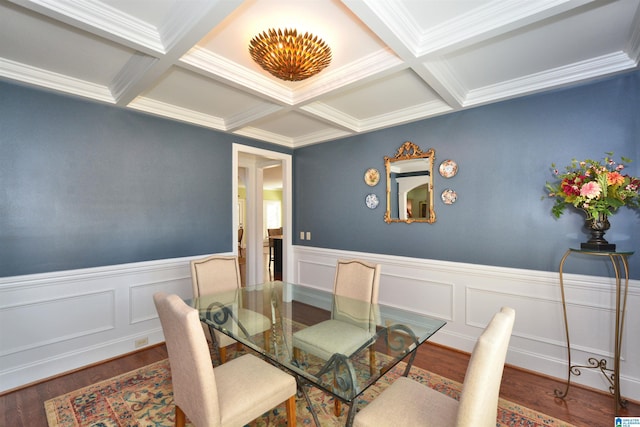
253,213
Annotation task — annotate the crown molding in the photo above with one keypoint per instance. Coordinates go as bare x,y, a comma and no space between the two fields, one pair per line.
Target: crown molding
180,20
217,66
262,135
135,69
400,116
570,74
487,21
633,46
333,115
55,81
478,24
320,136
405,115
98,15
178,113
309,139
447,79
367,67
250,115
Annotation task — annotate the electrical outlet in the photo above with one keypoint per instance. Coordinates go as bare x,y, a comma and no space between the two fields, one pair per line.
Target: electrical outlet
302,235
308,235
142,342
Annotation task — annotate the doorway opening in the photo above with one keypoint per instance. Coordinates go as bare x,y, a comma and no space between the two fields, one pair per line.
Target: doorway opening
262,197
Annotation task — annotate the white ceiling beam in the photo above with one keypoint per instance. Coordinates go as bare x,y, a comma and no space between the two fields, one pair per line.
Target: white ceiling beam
183,38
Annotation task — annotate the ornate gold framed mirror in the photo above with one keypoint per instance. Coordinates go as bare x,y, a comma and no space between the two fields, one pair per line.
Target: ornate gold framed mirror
410,185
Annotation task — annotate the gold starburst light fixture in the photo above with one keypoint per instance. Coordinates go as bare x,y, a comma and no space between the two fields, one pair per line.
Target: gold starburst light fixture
289,55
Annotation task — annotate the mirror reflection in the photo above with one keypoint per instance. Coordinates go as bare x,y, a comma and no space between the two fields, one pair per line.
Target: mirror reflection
410,185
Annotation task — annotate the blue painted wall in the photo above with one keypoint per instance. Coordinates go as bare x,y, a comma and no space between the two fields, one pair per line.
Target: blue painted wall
504,152
84,184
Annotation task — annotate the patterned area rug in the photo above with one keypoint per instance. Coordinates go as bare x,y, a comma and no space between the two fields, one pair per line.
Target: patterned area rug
144,398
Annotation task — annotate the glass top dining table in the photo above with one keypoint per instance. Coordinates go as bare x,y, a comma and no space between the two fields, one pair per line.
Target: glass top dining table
287,324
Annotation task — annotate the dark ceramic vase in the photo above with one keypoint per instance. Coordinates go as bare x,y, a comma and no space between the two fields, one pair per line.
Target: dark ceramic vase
597,227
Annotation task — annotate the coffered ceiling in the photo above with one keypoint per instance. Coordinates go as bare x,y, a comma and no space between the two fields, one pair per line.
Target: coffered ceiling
394,61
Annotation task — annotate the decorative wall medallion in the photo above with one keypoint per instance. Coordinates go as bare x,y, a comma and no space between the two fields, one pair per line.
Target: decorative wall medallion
372,201
448,168
371,177
449,196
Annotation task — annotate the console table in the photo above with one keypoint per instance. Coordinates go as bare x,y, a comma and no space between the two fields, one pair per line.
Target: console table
620,265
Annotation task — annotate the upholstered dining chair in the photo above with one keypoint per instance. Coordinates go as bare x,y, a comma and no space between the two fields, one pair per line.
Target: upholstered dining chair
219,274
232,394
351,323
409,403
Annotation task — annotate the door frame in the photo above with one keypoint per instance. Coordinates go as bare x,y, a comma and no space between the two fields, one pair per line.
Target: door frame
254,211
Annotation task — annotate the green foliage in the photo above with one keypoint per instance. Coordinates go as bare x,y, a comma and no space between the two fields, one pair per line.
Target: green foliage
597,187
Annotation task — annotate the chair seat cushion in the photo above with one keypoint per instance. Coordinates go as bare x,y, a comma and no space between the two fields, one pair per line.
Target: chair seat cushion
408,403
330,337
253,322
248,387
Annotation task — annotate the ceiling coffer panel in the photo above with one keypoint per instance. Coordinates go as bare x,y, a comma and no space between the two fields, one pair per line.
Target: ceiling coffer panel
391,62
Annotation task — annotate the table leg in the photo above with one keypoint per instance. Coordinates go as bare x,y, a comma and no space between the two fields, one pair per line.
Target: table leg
558,393
621,297
619,263
351,414
301,388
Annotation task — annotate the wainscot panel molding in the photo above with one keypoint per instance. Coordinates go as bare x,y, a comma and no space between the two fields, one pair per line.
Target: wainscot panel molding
52,323
56,322
467,295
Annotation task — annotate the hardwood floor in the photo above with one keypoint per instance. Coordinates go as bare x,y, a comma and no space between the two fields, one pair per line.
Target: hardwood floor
25,407
583,407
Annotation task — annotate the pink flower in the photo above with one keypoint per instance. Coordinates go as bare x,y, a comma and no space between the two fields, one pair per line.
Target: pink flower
590,190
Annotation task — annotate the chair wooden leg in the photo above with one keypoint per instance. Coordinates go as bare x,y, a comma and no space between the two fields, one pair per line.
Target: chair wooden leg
267,340
296,355
223,354
337,405
291,411
372,360
180,417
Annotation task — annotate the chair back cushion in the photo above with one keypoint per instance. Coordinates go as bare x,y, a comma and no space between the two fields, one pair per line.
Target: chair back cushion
215,274
357,279
481,388
356,312
194,386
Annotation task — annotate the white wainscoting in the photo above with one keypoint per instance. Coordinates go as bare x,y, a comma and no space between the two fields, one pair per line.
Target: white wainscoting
56,322
467,295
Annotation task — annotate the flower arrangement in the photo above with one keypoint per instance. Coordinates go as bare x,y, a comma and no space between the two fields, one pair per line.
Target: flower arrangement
597,187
